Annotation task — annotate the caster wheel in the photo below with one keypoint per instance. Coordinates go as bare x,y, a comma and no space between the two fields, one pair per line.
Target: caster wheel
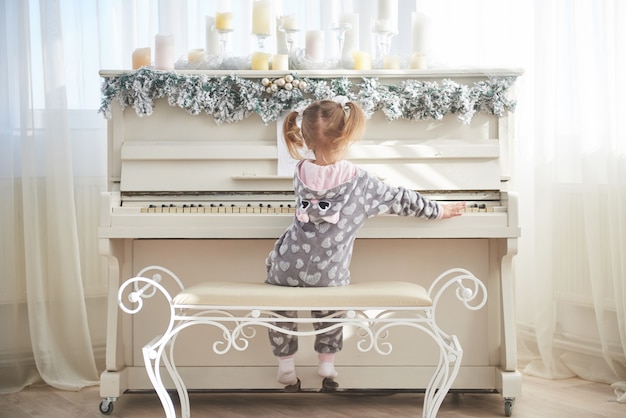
106,407
508,406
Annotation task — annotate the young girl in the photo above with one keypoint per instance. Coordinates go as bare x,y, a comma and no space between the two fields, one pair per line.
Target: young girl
333,200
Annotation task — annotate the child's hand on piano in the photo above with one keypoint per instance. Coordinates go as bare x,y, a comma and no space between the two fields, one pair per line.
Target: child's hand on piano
452,209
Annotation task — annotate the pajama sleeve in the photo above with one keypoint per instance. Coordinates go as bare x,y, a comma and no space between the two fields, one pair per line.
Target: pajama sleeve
381,198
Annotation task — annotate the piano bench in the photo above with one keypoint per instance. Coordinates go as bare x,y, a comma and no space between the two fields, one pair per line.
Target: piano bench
237,308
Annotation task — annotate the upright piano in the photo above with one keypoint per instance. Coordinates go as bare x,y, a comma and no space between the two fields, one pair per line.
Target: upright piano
207,200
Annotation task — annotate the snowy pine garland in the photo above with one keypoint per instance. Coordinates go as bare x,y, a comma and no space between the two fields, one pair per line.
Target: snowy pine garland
232,98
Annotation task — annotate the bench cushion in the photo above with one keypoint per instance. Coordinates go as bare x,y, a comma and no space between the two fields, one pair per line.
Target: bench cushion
355,295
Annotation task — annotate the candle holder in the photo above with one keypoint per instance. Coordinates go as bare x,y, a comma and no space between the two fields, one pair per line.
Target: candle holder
384,42
224,36
340,35
260,38
290,37
384,30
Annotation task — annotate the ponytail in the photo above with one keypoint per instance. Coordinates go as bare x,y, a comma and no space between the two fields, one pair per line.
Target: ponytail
354,123
328,128
293,136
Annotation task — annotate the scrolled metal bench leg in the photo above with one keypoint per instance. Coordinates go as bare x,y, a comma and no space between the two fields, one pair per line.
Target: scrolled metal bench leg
450,356
163,350
181,389
151,357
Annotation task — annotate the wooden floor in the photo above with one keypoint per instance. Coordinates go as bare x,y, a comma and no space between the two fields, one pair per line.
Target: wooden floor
569,398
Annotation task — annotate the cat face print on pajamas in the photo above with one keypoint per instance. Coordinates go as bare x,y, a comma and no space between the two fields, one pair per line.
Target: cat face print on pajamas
316,250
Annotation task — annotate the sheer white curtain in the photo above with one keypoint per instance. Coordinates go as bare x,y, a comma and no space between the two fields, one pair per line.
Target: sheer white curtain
44,319
570,273
571,269
571,176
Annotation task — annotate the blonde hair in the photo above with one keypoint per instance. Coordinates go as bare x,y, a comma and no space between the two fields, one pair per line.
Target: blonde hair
327,129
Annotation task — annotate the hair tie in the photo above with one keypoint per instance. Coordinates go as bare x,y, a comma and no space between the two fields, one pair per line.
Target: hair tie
300,111
342,100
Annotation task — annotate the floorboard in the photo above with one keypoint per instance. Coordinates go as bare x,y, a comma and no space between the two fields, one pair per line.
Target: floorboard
571,398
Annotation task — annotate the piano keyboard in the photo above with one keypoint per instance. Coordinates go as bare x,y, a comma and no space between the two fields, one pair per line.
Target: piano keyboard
221,208
274,202
218,208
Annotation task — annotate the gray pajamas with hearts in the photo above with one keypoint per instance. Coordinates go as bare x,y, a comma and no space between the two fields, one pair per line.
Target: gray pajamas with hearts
315,251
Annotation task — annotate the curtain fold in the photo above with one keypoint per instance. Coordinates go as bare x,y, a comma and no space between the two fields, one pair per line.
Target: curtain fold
42,189
570,165
572,267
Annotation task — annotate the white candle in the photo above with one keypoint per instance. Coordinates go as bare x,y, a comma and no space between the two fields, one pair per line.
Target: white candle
314,45
260,61
141,58
261,11
164,52
383,25
388,10
281,37
212,39
419,61
224,21
280,62
391,62
195,56
289,22
351,42
420,33
362,60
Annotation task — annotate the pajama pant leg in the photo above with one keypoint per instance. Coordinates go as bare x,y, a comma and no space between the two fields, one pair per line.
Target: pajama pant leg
330,341
284,344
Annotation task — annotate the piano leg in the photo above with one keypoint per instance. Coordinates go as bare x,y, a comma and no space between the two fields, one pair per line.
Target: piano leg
509,379
113,381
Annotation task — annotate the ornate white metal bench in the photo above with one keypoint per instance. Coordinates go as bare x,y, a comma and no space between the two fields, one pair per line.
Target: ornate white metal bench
237,308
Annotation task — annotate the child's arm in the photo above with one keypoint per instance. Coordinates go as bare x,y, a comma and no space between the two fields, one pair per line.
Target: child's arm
383,198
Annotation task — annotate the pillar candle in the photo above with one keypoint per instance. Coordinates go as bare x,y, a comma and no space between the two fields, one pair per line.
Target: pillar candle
195,56
281,37
314,45
383,25
141,58
362,60
420,28
260,61
351,42
388,10
280,62
164,52
212,39
261,12
419,61
223,21
391,62
289,22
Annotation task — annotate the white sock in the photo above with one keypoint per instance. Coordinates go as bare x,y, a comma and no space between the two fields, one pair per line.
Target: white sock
326,365
287,371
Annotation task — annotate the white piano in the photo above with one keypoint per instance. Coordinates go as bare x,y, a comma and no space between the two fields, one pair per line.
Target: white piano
206,201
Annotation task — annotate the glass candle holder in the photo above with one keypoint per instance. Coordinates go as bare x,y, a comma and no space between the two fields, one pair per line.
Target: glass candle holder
340,35
224,36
